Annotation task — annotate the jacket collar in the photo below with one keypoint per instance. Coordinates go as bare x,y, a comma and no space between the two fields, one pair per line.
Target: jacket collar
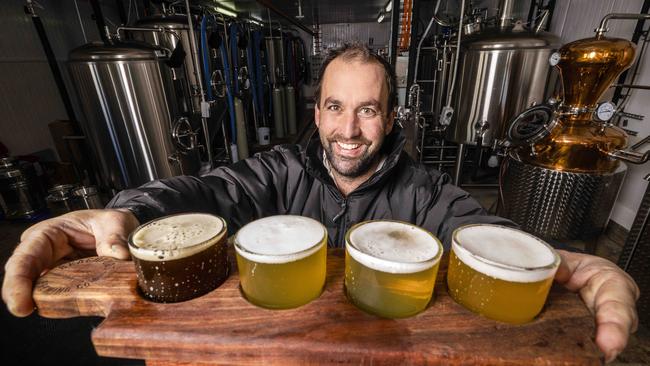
392,149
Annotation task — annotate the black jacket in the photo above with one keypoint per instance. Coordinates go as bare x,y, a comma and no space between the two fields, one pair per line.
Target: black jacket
291,180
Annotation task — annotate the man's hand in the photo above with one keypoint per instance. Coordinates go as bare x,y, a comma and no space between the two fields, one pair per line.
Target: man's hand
609,293
44,244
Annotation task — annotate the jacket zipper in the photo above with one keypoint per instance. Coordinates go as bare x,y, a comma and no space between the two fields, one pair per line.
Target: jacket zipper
341,218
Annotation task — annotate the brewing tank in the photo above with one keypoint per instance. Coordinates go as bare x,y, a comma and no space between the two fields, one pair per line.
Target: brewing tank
124,96
502,72
563,173
186,84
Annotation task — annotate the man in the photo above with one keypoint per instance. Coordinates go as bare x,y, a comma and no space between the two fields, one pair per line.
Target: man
357,172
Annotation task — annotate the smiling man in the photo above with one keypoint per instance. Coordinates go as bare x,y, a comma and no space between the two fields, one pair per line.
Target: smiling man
353,171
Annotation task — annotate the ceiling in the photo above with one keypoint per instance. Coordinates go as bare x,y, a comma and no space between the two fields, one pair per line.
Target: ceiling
314,11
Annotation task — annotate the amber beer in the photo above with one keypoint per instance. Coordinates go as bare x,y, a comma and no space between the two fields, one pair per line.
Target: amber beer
500,272
180,257
281,260
390,267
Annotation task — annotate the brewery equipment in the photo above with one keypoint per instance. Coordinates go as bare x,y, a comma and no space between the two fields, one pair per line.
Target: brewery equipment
563,175
124,93
502,72
60,199
88,198
21,196
175,37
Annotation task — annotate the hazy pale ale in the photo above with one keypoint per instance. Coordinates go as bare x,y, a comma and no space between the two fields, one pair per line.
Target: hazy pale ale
500,272
180,257
281,260
390,267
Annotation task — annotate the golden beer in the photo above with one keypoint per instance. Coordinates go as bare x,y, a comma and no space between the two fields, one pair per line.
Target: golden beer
281,260
180,257
390,267
500,272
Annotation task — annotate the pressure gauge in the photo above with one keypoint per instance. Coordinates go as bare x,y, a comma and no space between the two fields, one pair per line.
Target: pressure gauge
605,111
554,58
531,125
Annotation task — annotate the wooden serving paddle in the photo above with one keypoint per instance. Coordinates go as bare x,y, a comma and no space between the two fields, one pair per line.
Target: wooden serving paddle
221,327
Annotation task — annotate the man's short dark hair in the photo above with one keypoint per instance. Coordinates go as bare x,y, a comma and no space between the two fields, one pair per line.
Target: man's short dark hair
359,52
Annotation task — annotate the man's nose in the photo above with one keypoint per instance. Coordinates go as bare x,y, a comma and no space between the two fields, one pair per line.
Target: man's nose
351,127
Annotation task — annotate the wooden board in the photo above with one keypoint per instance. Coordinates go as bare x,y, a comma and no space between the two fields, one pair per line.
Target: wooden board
222,327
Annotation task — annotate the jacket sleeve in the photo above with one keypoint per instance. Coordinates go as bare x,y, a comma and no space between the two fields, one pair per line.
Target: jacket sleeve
240,193
451,207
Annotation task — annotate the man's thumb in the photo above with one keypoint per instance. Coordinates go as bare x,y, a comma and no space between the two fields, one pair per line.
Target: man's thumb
112,244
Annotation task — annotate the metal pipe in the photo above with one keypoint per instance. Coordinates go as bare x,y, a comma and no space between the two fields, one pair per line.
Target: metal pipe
269,5
458,169
417,55
81,24
197,68
51,60
630,86
505,13
99,20
460,32
602,28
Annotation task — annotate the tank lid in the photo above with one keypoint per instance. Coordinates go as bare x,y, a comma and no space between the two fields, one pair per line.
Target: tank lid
497,39
97,51
167,21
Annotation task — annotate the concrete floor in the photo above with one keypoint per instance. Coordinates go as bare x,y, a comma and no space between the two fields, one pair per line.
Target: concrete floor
21,337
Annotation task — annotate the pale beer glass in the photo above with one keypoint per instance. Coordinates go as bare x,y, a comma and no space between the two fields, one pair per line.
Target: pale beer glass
180,257
390,267
281,260
500,272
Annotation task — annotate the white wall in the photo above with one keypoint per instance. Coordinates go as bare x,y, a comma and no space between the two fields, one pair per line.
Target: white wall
576,19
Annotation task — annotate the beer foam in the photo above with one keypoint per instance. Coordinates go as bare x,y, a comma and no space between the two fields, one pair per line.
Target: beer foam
393,247
280,239
505,253
176,236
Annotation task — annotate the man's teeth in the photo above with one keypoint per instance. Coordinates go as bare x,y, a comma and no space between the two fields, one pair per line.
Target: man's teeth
348,146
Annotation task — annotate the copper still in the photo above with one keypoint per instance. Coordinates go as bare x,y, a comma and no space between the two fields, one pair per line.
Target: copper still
563,171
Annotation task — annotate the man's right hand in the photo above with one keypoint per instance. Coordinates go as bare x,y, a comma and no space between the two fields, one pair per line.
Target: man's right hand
46,243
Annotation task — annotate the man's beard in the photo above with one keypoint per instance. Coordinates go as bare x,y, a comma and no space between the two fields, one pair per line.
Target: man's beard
359,165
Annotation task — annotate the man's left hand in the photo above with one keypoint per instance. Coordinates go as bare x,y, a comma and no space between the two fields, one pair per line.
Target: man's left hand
609,293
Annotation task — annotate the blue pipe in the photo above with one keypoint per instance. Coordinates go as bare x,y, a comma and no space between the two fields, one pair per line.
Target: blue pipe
206,58
234,53
231,103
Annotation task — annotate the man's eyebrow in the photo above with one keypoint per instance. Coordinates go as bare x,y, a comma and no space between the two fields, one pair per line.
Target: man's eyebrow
370,102
330,100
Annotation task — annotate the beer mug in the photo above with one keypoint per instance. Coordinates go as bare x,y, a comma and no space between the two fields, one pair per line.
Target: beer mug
500,272
281,260
390,267
180,257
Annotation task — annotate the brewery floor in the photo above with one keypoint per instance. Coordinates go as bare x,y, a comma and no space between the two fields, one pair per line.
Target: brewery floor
35,340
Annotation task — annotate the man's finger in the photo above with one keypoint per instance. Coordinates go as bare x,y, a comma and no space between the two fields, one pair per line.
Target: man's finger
20,272
111,233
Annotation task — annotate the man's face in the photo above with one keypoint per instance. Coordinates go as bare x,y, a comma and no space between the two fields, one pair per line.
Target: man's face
352,116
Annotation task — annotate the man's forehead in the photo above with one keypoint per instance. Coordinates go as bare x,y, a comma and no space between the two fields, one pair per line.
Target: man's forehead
341,72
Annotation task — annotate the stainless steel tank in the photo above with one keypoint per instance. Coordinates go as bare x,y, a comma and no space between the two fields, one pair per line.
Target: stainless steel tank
124,95
176,31
502,73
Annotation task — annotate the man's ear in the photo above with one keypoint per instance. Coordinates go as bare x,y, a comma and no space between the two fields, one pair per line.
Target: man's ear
390,122
316,115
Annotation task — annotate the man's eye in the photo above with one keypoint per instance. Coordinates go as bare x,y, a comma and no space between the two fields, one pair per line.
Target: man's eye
367,112
333,108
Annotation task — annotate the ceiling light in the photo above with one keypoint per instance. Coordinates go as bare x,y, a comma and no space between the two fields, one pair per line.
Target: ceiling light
381,16
389,6
225,11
